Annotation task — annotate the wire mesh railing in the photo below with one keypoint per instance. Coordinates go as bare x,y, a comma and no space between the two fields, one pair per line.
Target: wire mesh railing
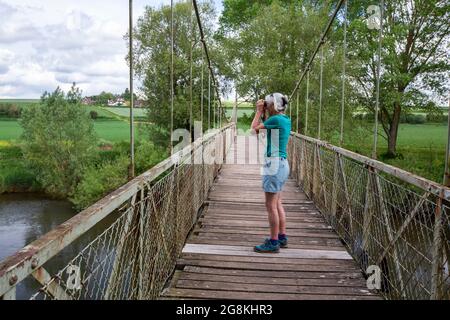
394,223
135,254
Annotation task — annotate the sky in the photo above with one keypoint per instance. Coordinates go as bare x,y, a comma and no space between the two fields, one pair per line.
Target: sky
45,44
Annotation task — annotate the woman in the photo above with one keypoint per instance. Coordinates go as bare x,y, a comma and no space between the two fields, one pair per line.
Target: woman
275,171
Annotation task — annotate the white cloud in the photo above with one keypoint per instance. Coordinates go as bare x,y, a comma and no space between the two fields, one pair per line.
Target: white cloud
65,41
45,46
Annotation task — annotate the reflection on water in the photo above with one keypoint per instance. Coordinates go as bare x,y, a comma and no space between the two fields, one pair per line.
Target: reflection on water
26,217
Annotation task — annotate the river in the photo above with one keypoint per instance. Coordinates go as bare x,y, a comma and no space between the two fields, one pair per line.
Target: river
26,217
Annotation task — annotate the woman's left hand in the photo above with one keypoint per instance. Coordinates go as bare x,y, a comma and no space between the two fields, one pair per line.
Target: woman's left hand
260,106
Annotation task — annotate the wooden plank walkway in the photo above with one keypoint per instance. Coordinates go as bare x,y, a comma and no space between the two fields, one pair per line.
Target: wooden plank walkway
218,261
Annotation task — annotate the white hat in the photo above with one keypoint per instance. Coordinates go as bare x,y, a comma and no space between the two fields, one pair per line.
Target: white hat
279,100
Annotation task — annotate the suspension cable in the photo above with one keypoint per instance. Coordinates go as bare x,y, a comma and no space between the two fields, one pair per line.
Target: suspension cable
290,112
202,92
172,36
322,38
191,49
209,101
132,165
344,63
307,102
205,47
319,127
377,105
298,97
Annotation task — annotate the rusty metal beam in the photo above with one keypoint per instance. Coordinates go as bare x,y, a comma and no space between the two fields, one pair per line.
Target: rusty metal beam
52,287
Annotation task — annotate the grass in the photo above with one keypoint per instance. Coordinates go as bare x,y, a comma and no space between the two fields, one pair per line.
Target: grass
240,112
20,101
420,148
108,129
114,130
125,112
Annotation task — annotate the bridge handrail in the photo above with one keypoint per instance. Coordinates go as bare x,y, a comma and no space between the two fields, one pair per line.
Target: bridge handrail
435,188
32,257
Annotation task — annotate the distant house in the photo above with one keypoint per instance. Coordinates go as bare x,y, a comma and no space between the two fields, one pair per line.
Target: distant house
117,102
139,103
87,101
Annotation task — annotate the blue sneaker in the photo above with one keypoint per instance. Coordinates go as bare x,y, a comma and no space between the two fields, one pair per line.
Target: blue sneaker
283,242
267,247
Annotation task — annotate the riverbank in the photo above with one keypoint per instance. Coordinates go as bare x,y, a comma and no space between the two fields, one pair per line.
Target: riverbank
15,177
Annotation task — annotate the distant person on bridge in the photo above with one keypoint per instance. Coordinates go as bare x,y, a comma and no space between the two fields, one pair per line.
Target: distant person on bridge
275,170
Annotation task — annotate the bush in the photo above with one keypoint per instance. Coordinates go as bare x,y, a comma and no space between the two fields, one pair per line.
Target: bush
112,172
98,181
415,119
147,156
437,118
94,115
59,141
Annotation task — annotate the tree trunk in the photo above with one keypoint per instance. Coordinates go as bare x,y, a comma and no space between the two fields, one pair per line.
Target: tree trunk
393,131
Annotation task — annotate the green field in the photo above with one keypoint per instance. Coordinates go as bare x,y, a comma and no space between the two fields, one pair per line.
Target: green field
240,112
421,149
107,129
412,136
19,101
125,112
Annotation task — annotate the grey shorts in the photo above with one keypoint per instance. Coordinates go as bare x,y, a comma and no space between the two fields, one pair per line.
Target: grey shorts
275,173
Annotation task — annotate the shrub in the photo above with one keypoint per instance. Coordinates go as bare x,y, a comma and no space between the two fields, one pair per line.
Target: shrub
437,118
415,119
93,114
98,181
148,155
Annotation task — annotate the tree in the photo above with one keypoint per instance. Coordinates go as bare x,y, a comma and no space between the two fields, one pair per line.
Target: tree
153,64
269,47
127,95
58,140
104,97
415,59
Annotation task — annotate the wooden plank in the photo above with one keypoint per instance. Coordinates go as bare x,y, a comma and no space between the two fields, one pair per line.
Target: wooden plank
222,217
299,233
270,259
251,244
263,224
281,282
263,266
232,239
276,273
237,295
252,288
286,253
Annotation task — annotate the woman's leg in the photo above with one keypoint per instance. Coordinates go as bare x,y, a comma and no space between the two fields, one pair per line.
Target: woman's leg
281,215
272,210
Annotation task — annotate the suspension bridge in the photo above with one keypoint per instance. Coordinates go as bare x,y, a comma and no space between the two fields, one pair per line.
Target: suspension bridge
186,228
